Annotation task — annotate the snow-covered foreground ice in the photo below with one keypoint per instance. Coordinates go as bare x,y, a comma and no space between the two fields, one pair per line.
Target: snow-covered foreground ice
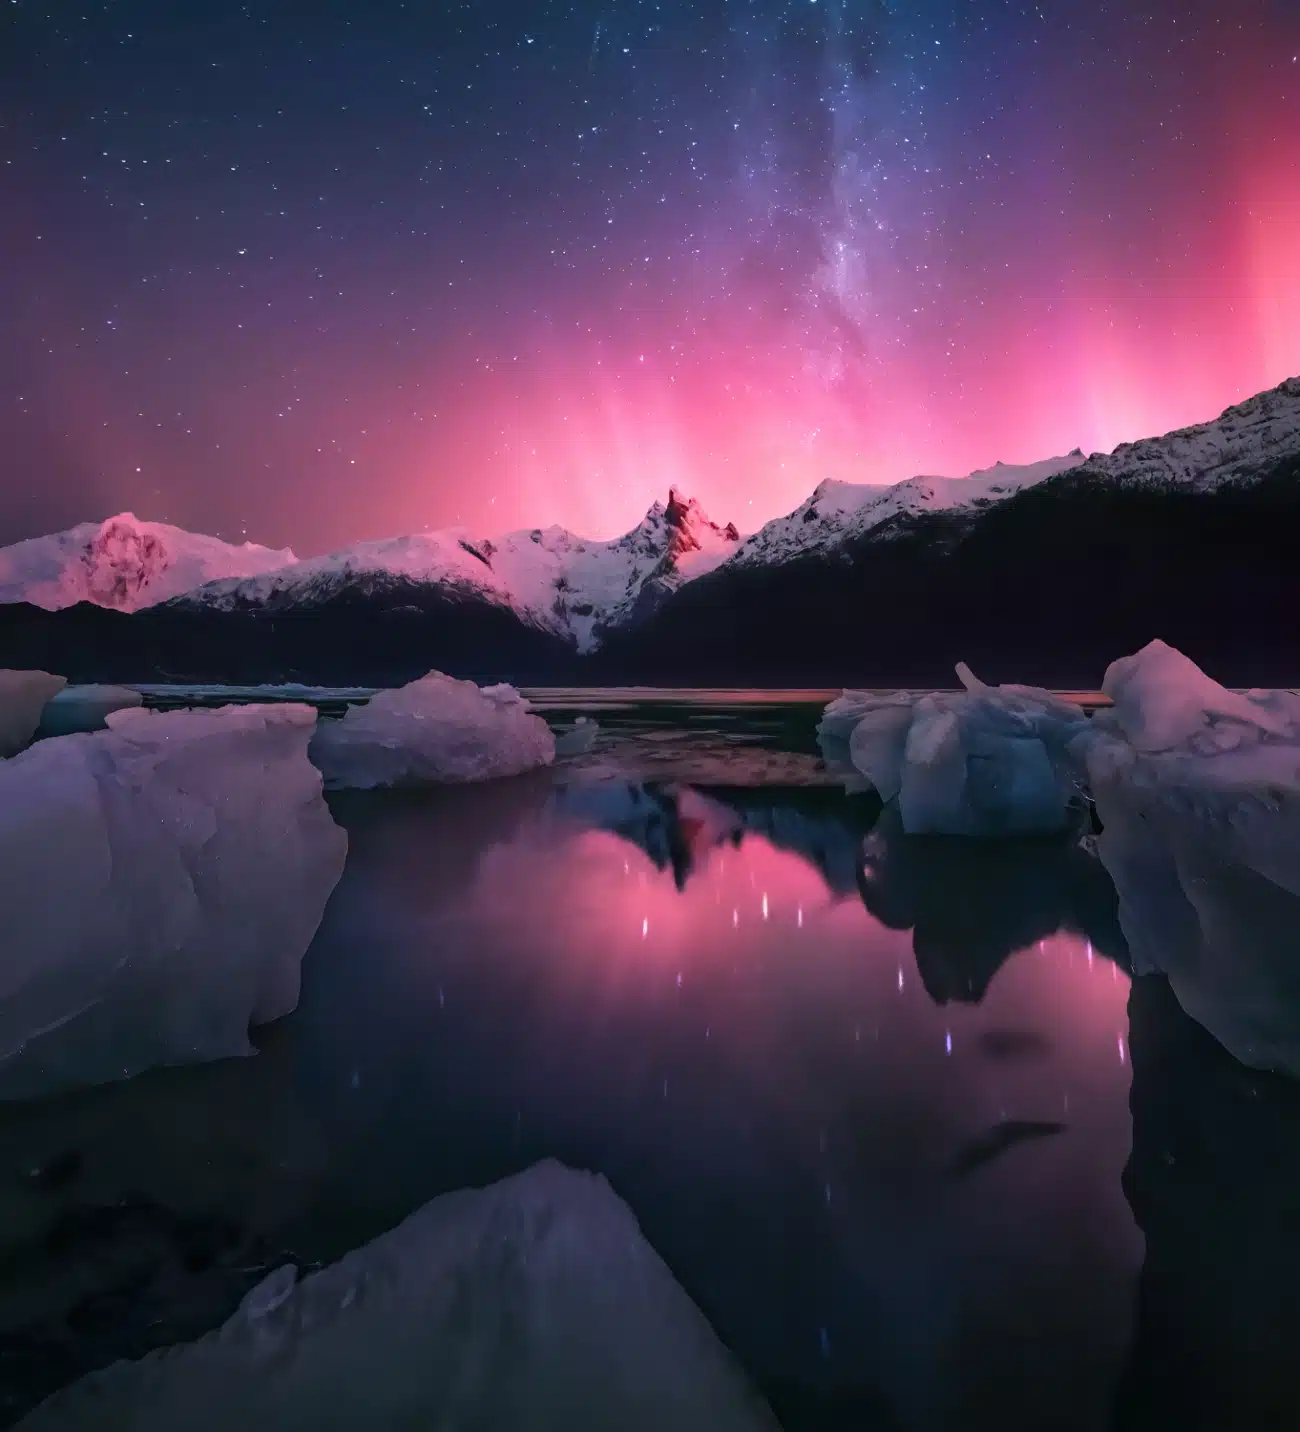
535,1305
159,884
1198,789
23,695
85,708
986,761
434,731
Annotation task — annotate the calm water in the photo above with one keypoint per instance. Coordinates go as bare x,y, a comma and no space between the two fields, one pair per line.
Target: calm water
868,1096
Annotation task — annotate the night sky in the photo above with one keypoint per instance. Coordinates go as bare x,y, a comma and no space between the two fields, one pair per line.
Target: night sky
311,272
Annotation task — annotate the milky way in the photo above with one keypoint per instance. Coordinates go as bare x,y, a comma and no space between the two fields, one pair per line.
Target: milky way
317,272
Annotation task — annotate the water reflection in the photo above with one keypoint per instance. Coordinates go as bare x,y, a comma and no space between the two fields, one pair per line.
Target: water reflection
868,1100
1214,1182
971,904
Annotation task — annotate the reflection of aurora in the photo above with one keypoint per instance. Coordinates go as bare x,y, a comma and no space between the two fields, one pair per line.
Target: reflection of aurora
881,1201
970,904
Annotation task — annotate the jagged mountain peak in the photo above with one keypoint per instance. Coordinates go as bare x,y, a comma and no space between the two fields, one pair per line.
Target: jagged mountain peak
580,589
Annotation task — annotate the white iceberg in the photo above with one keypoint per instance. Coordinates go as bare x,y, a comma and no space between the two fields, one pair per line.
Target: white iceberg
436,730
535,1305
159,884
986,761
1198,790
85,708
23,695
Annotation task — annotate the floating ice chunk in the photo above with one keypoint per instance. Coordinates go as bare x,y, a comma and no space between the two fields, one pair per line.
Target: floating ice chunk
579,740
159,883
503,694
535,1305
844,713
972,767
85,708
843,716
436,730
23,695
878,746
1164,701
1198,790
984,761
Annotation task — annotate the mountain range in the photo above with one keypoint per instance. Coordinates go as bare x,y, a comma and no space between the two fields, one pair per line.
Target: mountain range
1042,573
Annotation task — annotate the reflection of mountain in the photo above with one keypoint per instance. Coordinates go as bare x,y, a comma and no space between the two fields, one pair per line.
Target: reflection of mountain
678,825
971,904
1214,1182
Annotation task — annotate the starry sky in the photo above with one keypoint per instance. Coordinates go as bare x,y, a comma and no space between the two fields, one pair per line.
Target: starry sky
311,272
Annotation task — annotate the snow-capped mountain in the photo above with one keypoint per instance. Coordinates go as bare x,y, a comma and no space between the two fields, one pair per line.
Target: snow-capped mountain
1043,573
839,512
1234,447
124,563
1193,537
553,580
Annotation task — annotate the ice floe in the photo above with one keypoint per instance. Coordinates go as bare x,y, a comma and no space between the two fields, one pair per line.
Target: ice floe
1198,791
433,731
159,884
985,761
535,1305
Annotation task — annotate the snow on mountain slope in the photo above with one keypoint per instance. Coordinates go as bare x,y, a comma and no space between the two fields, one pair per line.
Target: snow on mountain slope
1243,440
448,558
1253,435
553,579
838,512
124,563
579,589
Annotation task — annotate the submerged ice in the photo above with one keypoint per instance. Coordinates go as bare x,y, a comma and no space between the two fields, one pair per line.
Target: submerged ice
436,730
159,884
535,1305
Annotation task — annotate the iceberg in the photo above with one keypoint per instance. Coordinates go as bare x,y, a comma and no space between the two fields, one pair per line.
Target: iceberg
1163,701
578,740
984,761
435,730
1198,791
535,1305
159,884
85,708
23,695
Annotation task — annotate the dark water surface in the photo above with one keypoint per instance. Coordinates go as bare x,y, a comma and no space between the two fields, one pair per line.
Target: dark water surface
869,1097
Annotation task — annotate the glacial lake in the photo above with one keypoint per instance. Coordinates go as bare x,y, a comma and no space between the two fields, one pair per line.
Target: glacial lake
890,1109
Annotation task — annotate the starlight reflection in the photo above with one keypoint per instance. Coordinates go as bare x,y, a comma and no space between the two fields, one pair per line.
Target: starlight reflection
794,1132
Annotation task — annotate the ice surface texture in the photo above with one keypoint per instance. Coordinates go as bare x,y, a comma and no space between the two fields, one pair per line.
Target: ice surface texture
986,761
85,708
534,1305
1198,789
23,695
434,731
159,884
